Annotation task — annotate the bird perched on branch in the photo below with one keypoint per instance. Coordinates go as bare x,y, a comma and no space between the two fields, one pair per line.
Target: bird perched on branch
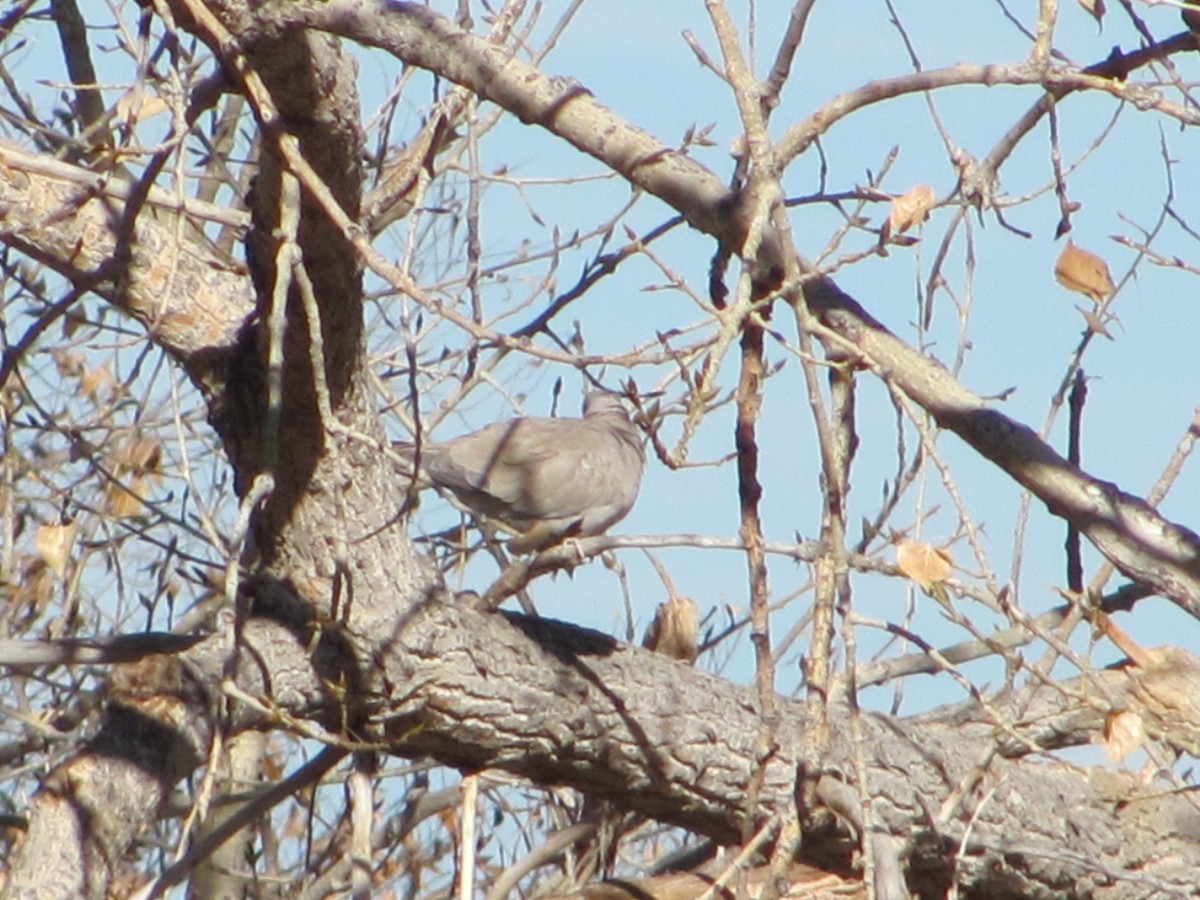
546,479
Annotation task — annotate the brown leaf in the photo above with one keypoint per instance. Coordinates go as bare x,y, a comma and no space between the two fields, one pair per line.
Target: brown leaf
54,543
136,464
1083,272
26,597
68,364
1124,732
675,631
1166,685
923,563
144,456
97,383
911,208
124,500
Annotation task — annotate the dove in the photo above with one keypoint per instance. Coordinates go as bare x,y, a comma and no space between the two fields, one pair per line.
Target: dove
546,479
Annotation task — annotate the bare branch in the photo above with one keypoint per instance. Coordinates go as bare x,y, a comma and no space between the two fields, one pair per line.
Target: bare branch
1138,541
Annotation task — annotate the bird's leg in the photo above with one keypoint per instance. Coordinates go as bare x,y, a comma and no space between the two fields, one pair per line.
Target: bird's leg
539,537
573,543
544,536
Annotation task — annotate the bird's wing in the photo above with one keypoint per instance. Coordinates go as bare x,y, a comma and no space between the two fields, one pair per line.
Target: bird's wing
594,476
565,473
492,468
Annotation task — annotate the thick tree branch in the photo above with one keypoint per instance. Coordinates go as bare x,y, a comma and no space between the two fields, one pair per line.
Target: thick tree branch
1142,544
329,523
535,698
1128,531
192,302
90,809
562,705
420,37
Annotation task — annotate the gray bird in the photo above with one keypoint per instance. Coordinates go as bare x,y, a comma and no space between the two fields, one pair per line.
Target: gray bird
546,479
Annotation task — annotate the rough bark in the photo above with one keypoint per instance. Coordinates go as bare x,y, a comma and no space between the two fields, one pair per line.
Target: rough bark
562,705
191,301
90,808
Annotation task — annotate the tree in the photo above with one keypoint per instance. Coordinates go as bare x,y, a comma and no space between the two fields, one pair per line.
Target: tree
297,616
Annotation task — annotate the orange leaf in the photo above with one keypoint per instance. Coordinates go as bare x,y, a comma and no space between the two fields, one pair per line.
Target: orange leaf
144,456
1083,272
911,208
925,564
97,383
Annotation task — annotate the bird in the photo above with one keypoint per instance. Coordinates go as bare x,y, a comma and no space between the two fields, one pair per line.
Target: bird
546,479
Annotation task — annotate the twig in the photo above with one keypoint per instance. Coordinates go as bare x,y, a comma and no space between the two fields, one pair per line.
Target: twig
308,774
466,837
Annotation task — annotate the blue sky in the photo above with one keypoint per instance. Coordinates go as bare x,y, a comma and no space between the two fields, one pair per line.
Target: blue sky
1023,326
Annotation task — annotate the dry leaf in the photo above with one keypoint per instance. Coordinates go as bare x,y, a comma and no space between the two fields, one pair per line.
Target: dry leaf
675,631
925,564
136,464
124,500
31,588
1124,732
1166,685
97,383
137,106
1083,272
54,543
68,365
910,209
143,456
